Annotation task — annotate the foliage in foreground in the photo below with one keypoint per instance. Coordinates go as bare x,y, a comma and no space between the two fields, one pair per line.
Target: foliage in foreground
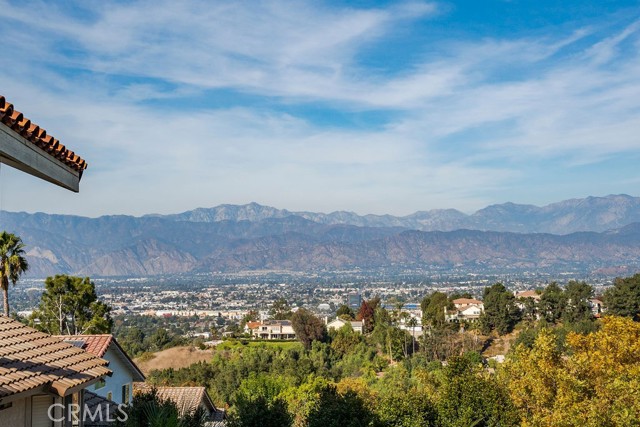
593,379
148,410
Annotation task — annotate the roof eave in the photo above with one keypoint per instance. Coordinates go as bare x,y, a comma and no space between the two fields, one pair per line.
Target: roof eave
18,152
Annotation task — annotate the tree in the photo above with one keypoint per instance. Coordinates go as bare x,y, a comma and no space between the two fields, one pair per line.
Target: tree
577,309
69,305
308,328
280,310
552,303
12,264
367,313
470,398
595,384
500,310
257,403
624,298
251,316
344,312
433,307
413,324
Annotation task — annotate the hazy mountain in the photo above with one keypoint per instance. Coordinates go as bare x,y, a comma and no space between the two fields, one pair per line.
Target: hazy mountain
589,214
254,237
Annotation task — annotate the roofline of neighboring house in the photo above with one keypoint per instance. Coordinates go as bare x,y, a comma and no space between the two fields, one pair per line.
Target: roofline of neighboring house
138,374
141,376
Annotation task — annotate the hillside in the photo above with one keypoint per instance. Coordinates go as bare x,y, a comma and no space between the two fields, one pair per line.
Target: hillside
253,237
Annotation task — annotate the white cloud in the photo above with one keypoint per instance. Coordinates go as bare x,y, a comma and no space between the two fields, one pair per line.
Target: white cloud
564,96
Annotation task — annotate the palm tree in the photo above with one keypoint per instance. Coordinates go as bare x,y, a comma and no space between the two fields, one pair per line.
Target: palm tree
12,263
413,322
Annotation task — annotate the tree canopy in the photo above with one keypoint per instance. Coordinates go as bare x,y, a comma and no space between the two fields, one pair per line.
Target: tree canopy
69,305
623,299
308,327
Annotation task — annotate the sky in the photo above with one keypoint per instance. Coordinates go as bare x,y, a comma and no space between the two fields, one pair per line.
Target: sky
366,106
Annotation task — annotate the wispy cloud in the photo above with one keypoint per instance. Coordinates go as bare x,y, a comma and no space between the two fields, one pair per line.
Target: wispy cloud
464,123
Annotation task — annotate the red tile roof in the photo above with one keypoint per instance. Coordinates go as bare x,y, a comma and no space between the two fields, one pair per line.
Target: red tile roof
32,360
466,301
33,133
253,325
98,346
94,344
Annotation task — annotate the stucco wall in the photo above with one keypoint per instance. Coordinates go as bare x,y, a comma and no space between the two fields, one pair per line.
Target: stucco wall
14,416
121,375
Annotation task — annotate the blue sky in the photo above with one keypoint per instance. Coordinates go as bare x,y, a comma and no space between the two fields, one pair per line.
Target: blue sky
373,107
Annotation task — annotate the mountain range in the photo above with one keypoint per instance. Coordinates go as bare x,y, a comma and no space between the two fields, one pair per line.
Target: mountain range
590,233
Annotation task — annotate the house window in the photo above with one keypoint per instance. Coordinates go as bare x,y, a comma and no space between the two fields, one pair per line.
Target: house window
101,383
125,394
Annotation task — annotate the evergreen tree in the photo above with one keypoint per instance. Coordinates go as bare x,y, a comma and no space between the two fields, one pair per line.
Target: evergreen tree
500,310
624,298
69,305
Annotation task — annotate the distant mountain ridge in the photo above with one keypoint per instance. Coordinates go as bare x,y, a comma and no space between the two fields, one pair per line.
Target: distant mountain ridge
569,216
252,237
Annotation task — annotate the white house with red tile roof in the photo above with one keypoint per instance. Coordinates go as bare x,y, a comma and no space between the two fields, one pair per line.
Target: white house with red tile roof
118,387
465,309
41,376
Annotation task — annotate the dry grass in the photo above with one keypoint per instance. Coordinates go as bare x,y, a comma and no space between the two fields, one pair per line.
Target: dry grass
176,357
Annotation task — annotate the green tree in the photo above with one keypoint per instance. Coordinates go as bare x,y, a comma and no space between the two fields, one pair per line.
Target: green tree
433,307
552,303
623,299
258,403
12,264
280,310
469,397
577,308
69,305
308,328
344,312
500,310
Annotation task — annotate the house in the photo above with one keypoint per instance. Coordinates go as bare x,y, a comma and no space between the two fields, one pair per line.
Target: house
462,303
42,378
186,399
465,309
273,330
534,295
119,387
250,326
338,323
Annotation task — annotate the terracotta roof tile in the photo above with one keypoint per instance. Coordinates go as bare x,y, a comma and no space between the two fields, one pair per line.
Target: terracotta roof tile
30,359
466,301
94,344
34,134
